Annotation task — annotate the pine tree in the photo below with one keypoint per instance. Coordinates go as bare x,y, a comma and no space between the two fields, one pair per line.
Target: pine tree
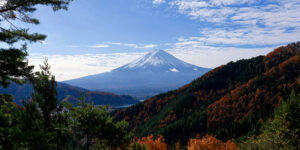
13,63
92,127
37,125
45,94
43,123
6,120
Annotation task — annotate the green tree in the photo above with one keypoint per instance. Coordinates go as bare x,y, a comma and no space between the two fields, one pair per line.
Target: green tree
45,95
93,127
13,63
283,132
6,120
43,123
28,132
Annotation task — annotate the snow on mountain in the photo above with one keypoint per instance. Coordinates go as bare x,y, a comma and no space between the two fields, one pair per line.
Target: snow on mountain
156,72
155,58
174,70
159,60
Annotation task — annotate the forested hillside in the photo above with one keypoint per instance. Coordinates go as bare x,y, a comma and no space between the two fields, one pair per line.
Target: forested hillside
231,101
69,93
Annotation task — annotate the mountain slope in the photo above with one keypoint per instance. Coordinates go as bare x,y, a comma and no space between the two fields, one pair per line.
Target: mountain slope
230,101
70,93
154,73
159,60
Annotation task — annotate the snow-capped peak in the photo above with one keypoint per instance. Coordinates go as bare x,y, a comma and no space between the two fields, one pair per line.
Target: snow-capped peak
154,58
158,60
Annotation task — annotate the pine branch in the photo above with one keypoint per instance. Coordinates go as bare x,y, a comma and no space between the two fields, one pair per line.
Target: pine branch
13,8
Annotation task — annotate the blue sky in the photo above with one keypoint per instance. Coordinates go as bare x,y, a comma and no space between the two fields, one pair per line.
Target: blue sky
124,25
94,36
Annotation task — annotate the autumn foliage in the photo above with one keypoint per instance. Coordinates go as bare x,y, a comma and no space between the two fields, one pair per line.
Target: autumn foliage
210,143
152,143
230,101
205,143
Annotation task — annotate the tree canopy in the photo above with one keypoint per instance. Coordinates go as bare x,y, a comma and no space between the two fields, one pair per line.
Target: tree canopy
13,63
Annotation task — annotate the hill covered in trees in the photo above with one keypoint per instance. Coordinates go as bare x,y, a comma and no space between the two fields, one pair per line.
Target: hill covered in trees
69,93
231,101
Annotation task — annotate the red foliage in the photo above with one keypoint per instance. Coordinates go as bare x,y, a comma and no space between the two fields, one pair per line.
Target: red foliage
281,53
211,143
153,144
245,99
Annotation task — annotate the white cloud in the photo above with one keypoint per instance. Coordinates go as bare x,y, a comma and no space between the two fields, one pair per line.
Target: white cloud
3,3
150,46
231,10
189,4
211,57
140,46
155,2
229,2
66,67
272,23
43,42
100,46
251,36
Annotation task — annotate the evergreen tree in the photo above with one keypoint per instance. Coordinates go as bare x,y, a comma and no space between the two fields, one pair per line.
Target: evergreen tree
45,94
43,122
29,132
93,127
13,63
6,120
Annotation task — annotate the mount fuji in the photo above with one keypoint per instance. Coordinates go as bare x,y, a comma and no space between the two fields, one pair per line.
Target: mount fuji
156,72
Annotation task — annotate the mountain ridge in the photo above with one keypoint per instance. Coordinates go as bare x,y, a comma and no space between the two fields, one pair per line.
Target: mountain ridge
156,72
231,101
71,94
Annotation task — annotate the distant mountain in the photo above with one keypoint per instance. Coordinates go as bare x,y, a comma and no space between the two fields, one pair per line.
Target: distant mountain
70,93
231,101
156,72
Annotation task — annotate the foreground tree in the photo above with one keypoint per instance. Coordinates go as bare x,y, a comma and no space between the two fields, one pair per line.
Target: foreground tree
13,63
93,127
7,110
42,123
45,94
